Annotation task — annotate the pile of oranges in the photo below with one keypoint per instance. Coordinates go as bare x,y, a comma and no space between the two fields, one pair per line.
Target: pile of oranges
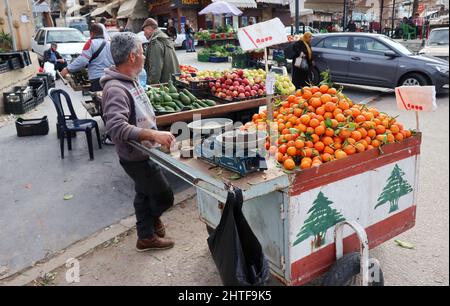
320,124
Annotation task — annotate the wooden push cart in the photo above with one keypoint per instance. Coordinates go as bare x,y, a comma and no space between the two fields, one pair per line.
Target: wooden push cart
301,218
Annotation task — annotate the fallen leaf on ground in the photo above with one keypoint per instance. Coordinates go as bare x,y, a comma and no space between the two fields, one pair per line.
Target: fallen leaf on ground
404,244
68,197
235,177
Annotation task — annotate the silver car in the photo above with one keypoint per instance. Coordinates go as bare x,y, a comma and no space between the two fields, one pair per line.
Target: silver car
376,60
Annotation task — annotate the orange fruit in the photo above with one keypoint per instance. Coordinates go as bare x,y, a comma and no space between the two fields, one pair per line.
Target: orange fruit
289,164
291,151
328,150
375,143
315,138
360,118
314,123
305,119
360,147
330,106
340,117
344,134
339,154
320,130
399,137
326,157
390,138
307,94
320,110
349,149
332,91
325,98
283,149
394,129
327,140
280,157
343,104
319,146
315,102
380,129
324,88
363,132
372,133
356,135
299,144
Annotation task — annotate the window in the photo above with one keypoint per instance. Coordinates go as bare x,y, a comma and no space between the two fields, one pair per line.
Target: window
36,38
65,36
339,43
369,45
41,38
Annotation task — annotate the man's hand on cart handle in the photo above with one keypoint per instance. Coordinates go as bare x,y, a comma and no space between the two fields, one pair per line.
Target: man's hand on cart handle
163,138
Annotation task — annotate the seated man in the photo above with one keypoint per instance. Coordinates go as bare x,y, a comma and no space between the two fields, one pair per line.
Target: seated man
53,56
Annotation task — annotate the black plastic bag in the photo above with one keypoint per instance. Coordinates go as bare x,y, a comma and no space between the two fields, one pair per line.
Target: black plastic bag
235,249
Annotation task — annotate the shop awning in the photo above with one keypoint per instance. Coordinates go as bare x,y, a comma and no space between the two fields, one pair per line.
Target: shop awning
134,9
241,3
74,10
39,8
107,9
280,2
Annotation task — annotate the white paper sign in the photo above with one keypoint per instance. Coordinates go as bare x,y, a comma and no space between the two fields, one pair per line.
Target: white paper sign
262,35
270,83
416,98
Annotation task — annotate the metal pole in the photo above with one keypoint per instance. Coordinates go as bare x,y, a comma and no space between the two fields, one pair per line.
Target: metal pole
381,16
297,16
393,18
344,17
10,24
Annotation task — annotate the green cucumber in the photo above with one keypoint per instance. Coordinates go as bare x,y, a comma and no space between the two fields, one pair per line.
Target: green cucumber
169,109
209,102
185,99
166,97
179,104
175,96
190,96
202,104
196,105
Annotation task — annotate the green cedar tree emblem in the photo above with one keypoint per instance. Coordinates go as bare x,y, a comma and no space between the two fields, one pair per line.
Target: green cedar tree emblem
321,218
395,188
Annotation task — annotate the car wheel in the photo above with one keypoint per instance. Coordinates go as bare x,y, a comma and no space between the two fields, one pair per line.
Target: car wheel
414,79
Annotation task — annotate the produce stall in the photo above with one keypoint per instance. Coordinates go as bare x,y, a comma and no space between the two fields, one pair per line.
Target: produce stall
333,164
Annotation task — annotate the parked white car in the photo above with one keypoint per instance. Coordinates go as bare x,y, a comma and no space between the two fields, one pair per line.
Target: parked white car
437,44
180,42
70,42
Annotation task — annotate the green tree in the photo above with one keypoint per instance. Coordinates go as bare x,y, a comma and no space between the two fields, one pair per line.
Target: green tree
395,188
321,218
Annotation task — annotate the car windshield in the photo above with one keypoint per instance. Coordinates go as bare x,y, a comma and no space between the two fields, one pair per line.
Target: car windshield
396,45
438,37
65,36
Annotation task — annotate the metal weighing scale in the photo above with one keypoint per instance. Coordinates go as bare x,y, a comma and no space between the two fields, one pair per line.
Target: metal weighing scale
237,151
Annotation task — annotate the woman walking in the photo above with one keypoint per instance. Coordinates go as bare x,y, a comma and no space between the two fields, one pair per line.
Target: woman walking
301,73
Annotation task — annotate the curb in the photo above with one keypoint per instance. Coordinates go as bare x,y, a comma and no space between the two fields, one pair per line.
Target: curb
81,248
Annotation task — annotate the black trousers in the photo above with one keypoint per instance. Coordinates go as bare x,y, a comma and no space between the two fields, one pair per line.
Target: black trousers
95,85
153,194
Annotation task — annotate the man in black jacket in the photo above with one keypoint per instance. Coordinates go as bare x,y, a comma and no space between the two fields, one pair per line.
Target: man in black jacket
53,56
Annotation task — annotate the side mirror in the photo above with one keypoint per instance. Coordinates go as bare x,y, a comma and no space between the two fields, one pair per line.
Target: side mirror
390,53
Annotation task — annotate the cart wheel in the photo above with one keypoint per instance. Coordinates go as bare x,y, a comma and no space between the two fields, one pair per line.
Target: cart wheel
209,229
346,272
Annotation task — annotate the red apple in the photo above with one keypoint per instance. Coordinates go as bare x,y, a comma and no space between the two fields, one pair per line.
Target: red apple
253,92
236,83
247,94
242,95
261,92
247,88
246,81
235,94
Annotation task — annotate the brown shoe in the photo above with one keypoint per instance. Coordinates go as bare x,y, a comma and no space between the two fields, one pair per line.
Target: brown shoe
154,243
160,229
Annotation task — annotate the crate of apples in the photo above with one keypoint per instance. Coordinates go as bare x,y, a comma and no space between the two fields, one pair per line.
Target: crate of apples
235,86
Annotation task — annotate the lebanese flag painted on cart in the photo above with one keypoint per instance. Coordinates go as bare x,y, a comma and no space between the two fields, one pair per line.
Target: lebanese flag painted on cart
416,98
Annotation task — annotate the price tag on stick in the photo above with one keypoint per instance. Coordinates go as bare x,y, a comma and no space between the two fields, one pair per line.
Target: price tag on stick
416,98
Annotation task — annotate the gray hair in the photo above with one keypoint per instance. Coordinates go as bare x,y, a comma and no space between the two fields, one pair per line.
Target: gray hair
122,45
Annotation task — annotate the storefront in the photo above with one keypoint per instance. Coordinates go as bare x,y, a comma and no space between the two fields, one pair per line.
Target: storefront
180,11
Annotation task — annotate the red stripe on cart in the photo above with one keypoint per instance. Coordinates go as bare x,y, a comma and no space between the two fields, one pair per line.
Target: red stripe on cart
316,264
355,164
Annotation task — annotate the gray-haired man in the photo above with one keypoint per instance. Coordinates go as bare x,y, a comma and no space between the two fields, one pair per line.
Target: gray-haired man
129,116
